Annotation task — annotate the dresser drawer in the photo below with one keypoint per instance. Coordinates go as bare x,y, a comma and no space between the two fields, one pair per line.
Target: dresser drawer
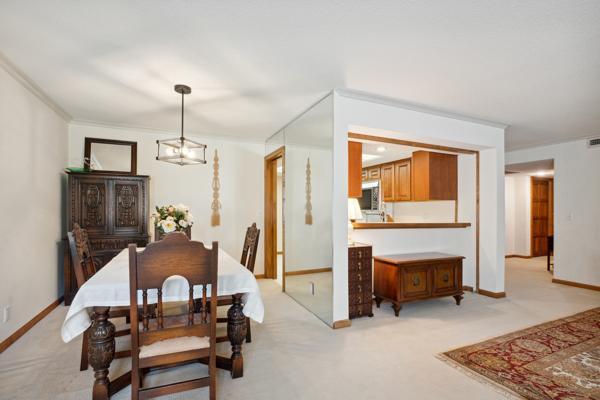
359,277
445,278
360,298
355,253
360,264
360,287
361,310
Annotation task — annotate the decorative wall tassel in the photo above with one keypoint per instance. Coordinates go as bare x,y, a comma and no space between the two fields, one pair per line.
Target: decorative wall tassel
308,218
215,218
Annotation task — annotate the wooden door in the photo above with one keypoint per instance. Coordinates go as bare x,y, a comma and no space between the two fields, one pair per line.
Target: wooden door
387,182
271,214
539,216
402,180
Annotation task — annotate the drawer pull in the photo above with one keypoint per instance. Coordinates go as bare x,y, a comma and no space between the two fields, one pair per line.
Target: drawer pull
359,254
359,288
359,276
359,265
445,278
416,281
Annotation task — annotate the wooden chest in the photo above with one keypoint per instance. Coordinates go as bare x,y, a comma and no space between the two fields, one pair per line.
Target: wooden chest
401,278
360,288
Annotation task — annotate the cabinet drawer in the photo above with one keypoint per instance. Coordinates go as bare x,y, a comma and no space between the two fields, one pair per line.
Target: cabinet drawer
373,173
360,264
363,276
360,298
359,287
364,175
360,310
359,253
415,283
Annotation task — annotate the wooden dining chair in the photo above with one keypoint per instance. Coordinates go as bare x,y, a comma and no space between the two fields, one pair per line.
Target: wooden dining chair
167,341
84,266
248,259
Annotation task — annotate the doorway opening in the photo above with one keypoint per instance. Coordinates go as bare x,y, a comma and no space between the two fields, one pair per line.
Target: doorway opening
529,213
274,223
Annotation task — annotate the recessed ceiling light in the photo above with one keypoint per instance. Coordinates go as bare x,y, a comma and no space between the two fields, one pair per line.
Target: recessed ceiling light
381,149
542,173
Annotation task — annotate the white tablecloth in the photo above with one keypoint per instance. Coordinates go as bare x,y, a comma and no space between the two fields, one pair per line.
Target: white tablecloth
110,287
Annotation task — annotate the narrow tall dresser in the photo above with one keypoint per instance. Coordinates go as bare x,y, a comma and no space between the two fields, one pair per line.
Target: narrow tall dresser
360,284
114,211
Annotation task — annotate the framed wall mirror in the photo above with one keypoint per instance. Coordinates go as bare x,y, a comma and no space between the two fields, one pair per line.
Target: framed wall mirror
110,156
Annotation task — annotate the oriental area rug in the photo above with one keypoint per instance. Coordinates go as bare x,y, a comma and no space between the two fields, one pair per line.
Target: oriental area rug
558,360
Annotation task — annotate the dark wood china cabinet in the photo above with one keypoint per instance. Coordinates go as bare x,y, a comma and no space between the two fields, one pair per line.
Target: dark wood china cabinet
113,208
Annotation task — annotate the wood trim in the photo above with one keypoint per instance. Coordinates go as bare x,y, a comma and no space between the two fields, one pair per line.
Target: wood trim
415,225
27,326
468,288
576,284
343,323
362,136
495,295
308,271
270,211
516,256
477,224
259,276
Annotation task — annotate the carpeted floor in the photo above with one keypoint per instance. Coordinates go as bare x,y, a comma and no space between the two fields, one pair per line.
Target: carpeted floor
555,360
295,356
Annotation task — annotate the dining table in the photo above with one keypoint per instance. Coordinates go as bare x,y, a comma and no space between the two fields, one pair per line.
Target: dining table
109,287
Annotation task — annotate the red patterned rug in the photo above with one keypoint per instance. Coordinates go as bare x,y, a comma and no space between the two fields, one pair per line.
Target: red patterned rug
558,360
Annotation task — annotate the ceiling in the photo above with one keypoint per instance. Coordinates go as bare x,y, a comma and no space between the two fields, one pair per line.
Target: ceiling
254,65
540,167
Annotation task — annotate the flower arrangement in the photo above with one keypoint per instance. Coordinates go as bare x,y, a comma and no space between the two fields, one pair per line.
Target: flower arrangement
171,218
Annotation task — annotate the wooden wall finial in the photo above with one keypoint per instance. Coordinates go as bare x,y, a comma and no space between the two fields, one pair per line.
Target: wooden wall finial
215,218
308,218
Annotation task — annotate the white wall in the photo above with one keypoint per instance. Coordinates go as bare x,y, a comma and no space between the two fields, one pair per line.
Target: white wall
241,176
382,117
422,211
33,153
576,207
518,214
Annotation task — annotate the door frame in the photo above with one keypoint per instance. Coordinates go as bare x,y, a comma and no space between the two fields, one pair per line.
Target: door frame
270,222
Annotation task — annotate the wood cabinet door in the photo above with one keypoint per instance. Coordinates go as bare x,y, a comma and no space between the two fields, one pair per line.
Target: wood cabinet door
374,173
387,182
415,283
354,169
127,207
402,180
90,208
445,278
364,175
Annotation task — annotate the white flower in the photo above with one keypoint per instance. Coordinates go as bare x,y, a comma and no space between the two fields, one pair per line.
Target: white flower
189,218
183,223
168,226
169,218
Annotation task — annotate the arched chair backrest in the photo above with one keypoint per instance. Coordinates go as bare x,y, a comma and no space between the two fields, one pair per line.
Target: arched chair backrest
81,254
250,247
175,255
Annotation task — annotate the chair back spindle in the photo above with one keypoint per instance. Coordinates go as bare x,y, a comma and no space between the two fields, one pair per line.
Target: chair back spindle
250,247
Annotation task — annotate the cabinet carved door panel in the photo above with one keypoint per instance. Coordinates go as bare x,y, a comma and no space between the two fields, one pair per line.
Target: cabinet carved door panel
445,278
402,180
128,208
91,205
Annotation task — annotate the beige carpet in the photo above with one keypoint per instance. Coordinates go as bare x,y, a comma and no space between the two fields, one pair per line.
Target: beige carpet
295,356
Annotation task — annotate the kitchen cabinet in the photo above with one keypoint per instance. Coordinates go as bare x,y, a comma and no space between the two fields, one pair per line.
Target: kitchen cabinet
434,176
371,173
387,182
402,191
354,169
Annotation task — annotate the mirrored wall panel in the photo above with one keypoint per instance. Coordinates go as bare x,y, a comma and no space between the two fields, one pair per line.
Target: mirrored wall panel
307,210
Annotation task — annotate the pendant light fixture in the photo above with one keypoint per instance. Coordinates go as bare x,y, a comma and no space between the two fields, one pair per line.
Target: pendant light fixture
180,150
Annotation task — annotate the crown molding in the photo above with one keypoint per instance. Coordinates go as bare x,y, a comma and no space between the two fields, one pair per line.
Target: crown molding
34,89
388,101
159,131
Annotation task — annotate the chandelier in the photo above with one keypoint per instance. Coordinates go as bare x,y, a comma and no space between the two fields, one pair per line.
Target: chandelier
180,150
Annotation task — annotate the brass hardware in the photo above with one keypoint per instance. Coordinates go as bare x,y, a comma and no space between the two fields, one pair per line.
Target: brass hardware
416,281
359,264
359,288
359,254
359,277
445,278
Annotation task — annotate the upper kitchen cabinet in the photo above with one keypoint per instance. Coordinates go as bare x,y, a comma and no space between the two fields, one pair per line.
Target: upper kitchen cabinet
354,169
388,182
402,190
434,176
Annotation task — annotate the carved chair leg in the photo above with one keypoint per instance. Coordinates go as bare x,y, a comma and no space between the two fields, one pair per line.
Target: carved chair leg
248,331
236,332
101,348
84,351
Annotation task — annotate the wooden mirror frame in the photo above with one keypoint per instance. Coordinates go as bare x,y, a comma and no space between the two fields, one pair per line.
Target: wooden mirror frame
88,152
